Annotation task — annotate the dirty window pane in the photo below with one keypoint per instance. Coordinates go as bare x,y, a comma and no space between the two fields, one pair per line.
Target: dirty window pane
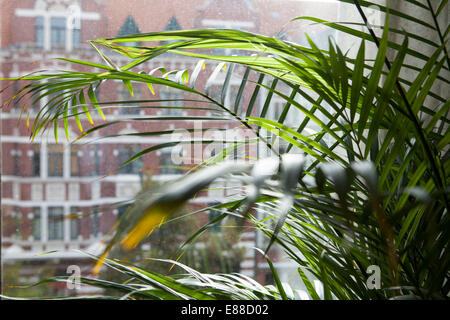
45,181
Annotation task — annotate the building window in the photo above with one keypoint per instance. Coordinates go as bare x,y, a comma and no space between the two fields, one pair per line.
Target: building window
16,158
167,166
215,92
58,32
17,106
129,108
16,220
175,102
121,211
277,109
125,153
75,161
55,160
76,37
36,160
96,154
74,223
95,221
36,223
74,24
39,31
55,223
213,214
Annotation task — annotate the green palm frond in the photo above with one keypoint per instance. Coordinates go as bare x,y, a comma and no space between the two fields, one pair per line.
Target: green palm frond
191,285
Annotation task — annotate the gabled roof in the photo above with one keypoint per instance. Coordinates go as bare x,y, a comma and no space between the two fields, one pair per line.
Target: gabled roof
173,25
129,27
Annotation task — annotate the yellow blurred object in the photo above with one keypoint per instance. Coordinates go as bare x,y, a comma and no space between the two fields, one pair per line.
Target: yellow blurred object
99,263
153,218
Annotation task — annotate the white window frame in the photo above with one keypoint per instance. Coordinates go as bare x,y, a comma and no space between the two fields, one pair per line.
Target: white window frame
51,13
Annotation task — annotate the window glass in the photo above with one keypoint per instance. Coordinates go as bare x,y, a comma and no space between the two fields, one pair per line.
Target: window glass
55,160
55,223
125,153
125,95
39,31
17,214
36,223
166,165
95,221
58,32
97,155
16,156
174,101
121,211
36,160
74,223
75,156
42,181
76,37
213,214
